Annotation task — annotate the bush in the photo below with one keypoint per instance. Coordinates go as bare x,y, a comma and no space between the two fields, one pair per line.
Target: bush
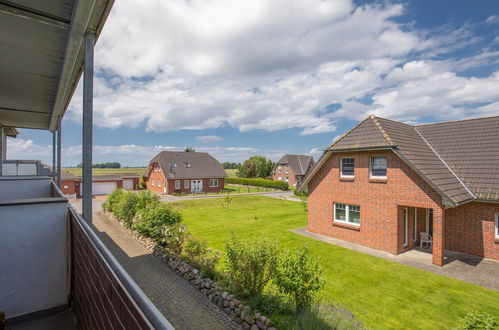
146,198
326,316
197,253
250,265
150,222
112,200
299,275
259,183
173,238
125,208
477,320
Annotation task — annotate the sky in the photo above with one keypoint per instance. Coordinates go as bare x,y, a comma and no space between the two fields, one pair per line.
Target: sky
237,78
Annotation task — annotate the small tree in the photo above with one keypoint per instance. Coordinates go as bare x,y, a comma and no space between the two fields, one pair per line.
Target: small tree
150,222
189,149
250,264
256,167
299,275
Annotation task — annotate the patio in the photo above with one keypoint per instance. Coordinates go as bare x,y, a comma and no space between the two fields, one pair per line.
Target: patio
460,266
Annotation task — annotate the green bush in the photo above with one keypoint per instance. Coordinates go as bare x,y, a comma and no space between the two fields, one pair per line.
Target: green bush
113,199
476,320
150,222
146,198
197,253
299,275
326,317
125,208
250,265
259,183
173,238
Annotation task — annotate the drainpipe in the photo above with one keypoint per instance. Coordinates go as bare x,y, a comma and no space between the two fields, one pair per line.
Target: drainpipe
88,76
59,144
53,155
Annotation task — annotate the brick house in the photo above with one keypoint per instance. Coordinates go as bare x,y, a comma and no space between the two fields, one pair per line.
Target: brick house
184,173
384,183
292,169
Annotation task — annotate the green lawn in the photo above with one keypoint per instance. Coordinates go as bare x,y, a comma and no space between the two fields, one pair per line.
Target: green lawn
382,294
235,189
136,170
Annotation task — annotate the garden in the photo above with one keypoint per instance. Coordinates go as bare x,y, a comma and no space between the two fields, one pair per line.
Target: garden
245,244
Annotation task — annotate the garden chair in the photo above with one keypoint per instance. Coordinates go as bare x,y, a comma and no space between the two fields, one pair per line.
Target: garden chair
425,238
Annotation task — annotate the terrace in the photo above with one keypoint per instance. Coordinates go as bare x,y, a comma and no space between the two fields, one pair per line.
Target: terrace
55,272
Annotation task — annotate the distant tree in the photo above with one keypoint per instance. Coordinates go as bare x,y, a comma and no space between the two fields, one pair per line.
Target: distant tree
103,165
80,165
231,166
189,149
256,167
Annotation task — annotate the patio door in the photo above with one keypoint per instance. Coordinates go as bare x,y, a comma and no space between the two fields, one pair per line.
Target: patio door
429,221
196,185
406,225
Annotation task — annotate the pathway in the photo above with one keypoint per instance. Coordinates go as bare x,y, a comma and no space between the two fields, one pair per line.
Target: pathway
463,267
288,195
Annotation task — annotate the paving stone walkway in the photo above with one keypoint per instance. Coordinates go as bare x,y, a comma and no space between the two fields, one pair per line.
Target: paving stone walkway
183,305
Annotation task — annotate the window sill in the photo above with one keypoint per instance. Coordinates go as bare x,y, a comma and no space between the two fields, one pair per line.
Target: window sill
378,180
496,240
346,225
346,179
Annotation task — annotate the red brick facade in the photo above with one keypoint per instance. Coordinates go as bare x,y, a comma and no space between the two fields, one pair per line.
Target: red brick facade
282,174
157,176
382,203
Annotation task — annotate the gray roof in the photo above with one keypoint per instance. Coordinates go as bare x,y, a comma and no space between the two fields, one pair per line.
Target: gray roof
299,164
459,159
202,165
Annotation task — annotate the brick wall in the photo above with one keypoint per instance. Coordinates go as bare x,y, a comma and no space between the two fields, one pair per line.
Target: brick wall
380,201
170,184
99,299
70,187
470,229
283,175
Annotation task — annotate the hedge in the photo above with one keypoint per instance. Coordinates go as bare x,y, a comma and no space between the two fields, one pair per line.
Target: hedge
259,182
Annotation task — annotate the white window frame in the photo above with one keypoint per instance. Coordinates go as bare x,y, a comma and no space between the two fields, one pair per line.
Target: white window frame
371,168
415,224
406,225
287,169
341,168
177,184
186,184
152,182
287,179
279,178
279,169
159,183
496,227
347,214
213,181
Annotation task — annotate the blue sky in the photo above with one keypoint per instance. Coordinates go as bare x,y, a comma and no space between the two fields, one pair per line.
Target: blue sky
239,78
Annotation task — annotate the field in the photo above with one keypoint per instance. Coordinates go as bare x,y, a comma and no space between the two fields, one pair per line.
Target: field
136,170
381,293
231,173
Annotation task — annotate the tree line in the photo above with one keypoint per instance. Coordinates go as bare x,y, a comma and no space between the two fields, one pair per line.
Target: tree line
103,165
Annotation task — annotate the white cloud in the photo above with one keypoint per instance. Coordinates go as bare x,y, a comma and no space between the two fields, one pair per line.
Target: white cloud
316,152
492,19
209,138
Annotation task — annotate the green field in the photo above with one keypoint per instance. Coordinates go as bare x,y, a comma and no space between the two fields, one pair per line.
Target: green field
231,173
381,293
136,170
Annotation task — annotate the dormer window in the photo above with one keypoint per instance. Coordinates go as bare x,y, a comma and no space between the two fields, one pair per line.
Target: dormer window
187,165
172,165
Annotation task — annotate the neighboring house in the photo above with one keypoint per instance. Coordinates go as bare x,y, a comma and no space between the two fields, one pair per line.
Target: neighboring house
292,169
185,172
384,182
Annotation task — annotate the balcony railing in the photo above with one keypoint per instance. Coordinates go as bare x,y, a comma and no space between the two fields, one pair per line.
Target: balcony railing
18,167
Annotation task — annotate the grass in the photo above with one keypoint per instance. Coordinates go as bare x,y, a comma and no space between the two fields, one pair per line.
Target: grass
136,170
231,173
235,189
381,293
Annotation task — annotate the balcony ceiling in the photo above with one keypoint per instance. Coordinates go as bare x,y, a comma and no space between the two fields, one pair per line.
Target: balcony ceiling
41,57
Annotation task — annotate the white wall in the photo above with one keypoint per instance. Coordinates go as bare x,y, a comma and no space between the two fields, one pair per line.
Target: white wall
17,188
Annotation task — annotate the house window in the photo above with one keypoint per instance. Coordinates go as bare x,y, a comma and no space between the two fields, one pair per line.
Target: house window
287,179
378,167
187,165
177,184
159,183
279,169
152,182
172,165
347,213
497,226
213,182
406,224
186,184
347,167
287,169
279,178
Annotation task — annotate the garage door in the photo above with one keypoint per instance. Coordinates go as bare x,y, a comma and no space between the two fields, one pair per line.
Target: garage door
128,184
100,188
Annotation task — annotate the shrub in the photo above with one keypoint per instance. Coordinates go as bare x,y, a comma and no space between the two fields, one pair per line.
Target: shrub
299,275
150,222
173,238
125,209
146,198
112,200
197,253
250,265
476,320
259,183
326,316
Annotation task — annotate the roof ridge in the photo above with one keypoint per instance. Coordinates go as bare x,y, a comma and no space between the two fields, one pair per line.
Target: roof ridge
395,121
380,127
346,133
445,163
299,161
457,120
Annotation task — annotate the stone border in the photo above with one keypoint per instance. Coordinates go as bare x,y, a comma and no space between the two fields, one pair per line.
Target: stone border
240,313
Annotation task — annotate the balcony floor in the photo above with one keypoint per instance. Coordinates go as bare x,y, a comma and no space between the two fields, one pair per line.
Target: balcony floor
62,320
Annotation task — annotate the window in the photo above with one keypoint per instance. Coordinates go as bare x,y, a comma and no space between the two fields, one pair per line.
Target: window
279,178
287,179
497,226
347,167
287,169
378,167
159,183
172,165
347,213
279,169
152,182
186,184
177,184
187,165
406,225
213,182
